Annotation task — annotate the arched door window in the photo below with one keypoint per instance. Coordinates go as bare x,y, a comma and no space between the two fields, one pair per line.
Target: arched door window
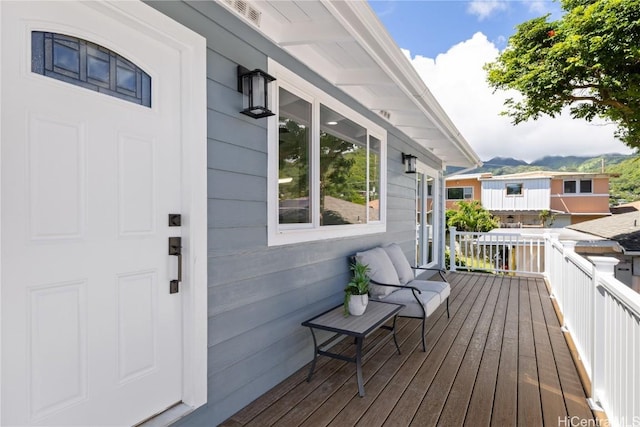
86,64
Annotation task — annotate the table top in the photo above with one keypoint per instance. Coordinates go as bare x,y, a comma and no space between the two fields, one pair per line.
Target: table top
334,320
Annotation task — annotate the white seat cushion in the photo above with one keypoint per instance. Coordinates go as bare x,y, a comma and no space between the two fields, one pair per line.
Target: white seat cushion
430,301
441,288
381,270
400,263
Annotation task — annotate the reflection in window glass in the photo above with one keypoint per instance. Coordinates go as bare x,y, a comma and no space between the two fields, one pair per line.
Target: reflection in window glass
375,162
88,65
66,58
126,79
514,189
343,170
293,159
570,187
424,220
459,193
97,69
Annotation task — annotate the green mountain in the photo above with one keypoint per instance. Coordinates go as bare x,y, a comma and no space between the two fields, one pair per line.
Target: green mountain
624,186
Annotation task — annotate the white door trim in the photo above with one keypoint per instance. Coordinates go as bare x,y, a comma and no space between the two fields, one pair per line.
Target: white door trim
192,48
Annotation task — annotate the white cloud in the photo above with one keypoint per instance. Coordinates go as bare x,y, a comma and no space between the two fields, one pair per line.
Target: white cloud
538,6
385,7
485,8
457,80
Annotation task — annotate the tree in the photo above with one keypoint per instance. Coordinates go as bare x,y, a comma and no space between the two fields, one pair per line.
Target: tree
471,216
589,61
546,218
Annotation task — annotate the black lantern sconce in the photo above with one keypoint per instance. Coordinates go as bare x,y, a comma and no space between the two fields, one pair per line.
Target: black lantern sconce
409,163
254,86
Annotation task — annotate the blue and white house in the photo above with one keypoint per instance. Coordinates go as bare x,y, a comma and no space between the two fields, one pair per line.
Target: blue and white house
159,249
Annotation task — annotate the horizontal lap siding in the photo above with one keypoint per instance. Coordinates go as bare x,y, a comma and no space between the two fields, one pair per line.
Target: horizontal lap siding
259,295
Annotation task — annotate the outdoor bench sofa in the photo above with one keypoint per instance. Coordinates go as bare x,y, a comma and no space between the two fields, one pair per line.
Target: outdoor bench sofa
394,280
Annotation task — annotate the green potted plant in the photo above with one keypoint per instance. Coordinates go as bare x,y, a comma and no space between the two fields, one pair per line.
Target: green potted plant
356,293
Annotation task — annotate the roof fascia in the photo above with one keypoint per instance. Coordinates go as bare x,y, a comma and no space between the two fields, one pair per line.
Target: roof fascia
360,21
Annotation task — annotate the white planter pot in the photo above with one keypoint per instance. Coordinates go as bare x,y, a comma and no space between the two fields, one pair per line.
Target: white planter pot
357,304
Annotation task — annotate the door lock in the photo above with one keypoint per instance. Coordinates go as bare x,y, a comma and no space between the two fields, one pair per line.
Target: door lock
175,220
175,249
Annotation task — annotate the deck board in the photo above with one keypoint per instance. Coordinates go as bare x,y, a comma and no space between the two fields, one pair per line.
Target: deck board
505,403
529,409
404,411
571,386
501,359
431,406
480,406
459,397
550,391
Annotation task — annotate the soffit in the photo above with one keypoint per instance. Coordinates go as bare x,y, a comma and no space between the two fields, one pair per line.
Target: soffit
346,44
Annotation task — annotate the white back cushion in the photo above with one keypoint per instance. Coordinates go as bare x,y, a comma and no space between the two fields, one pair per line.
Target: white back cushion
381,270
400,263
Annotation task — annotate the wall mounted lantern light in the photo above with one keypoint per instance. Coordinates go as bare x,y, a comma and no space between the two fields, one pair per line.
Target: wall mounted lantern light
409,163
254,86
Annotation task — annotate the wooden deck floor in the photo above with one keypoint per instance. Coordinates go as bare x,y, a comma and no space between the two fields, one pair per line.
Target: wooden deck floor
500,360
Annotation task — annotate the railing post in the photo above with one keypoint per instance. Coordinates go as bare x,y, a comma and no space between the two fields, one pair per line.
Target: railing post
602,266
452,249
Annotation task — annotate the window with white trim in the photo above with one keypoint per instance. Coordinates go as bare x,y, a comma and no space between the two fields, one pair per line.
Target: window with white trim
513,189
459,193
327,166
582,186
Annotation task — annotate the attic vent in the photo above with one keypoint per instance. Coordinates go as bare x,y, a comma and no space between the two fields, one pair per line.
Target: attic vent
254,16
385,114
244,9
241,7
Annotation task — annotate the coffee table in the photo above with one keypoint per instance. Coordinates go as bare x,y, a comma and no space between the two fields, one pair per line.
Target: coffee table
334,320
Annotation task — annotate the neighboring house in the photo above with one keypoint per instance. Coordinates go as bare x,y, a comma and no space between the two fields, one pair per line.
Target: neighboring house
624,229
520,199
116,117
465,188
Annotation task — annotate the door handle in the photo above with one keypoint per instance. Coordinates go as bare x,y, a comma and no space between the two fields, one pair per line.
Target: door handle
175,249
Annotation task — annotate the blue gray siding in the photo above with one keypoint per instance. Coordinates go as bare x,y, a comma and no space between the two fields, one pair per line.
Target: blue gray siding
259,295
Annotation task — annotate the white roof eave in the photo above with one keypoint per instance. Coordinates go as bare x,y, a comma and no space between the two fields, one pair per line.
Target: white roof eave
360,21
414,110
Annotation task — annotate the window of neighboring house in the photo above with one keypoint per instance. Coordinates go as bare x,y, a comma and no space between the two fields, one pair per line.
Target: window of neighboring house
459,193
578,186
514,189
82,63
586,186
330,166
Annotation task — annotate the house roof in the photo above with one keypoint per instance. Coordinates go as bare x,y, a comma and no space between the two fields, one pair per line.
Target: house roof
345,43
547,174
623,228
626,207
528,175
470,176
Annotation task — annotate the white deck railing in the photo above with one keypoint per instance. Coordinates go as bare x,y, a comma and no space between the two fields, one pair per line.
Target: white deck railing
500,252
603,317
601,313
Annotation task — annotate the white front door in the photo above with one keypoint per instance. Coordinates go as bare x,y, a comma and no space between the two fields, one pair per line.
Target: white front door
90,333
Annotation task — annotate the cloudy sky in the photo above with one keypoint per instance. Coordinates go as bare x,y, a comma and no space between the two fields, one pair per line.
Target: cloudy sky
448,42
